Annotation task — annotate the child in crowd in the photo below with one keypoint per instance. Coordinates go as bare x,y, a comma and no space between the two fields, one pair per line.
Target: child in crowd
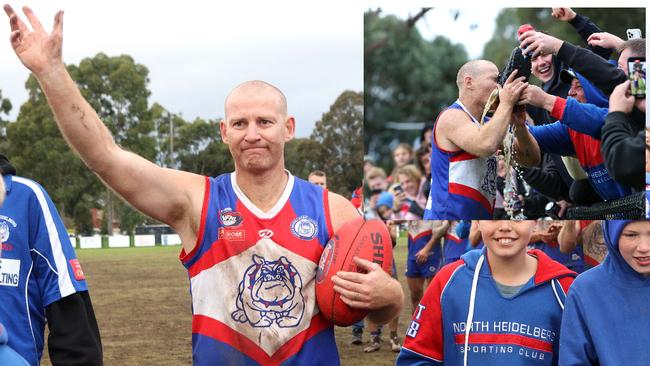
607,315
498,306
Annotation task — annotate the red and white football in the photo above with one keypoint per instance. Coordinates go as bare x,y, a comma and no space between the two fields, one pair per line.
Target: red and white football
369,240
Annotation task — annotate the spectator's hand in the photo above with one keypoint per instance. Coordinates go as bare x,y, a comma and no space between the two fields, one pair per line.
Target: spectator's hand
550,234
565,14
398,198
372,290
640,104
535,96
372,202
39,51
604,40
564,205
537,44
621,100
421,256
512,89
519,118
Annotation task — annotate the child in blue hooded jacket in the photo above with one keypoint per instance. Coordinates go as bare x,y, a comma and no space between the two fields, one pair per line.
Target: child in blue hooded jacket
511,298
606,320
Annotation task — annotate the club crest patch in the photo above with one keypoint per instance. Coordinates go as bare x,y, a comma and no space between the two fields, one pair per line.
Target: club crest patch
304,227
4,231
270,292
230,218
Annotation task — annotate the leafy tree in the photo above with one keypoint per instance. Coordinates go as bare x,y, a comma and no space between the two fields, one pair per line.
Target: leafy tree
5,108
406,78
339,134
304,155
200,149
117,88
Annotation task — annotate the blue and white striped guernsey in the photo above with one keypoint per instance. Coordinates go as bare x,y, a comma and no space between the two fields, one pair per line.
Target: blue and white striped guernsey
38,265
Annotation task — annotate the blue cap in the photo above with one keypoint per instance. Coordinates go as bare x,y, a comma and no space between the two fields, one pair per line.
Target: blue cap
385,199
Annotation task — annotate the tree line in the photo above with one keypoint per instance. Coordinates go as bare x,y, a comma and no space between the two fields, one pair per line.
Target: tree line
118,89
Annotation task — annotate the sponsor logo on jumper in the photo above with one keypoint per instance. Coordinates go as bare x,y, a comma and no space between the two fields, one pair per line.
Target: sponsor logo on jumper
230,218
232,235
266,233
76,269
9,272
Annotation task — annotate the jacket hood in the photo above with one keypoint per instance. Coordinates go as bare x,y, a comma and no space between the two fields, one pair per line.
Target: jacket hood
592,94
556,86
614,262
547,268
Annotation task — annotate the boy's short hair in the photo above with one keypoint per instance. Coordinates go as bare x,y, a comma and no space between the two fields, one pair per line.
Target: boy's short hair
375,172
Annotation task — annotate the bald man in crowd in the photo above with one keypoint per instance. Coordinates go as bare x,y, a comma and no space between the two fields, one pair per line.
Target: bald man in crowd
463,165
251,239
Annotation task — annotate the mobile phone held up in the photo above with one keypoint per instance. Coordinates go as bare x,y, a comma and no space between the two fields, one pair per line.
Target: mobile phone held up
636,74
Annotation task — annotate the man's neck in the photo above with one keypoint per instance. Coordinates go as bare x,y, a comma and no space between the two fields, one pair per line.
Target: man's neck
473,107
262,189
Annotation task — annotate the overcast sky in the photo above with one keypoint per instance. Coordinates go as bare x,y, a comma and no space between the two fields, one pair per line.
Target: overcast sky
196,51
473,27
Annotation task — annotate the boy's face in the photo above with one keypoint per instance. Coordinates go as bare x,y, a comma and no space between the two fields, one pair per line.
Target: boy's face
634,245
506,238
384,212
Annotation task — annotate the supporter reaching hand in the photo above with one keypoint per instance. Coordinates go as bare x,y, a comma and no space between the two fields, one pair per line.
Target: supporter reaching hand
605,40
564,14
621,100
537,44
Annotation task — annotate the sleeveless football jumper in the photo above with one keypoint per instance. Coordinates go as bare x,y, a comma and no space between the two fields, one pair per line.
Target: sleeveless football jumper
252,277
463,186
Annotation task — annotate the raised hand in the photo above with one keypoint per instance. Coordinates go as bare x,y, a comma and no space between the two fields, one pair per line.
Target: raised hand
512,89
534,95
604,40
565,14
39,51
621,100
537,44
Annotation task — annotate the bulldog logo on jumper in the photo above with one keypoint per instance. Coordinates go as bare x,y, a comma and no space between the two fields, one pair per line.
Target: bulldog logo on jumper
270,292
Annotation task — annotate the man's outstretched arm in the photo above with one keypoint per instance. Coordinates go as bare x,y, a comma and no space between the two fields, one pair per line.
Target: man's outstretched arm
164,194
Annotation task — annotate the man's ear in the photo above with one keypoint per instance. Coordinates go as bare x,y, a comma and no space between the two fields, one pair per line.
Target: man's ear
469,83
222,129
290,129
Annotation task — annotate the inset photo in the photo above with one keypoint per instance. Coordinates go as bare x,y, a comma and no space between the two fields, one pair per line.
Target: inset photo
504,113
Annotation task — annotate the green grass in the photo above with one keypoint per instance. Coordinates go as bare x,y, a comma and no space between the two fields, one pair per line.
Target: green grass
142,304
126,252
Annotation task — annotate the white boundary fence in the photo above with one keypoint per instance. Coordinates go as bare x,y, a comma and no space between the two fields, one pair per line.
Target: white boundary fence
118,241
144,240
124,241
90,242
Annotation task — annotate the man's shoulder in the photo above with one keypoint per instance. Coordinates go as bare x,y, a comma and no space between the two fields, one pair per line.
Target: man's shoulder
452,116
24,188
